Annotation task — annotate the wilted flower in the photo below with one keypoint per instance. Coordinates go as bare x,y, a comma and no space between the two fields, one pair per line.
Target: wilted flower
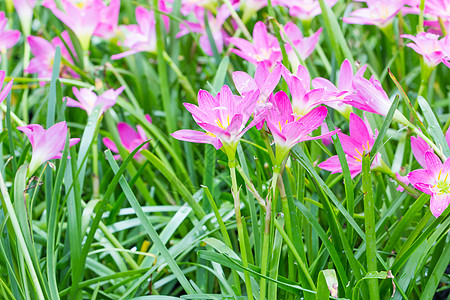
378,12
288,129
8,38
304,46
82,19
129,138
88,100
215,25
265,46
335,98
360,141
46,144
44,52
222,117
430,47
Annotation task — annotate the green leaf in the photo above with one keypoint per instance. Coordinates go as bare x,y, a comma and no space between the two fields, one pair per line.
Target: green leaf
327,284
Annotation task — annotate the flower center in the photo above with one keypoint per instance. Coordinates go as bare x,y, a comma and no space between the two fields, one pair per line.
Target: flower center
365,150
221,125
442,186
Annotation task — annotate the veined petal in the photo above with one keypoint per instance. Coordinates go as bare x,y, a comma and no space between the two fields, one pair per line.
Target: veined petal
197,137
438,203
419,147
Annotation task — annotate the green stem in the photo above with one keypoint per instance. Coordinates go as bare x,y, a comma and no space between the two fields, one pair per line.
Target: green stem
240,228
95,178
265,251
371,238
383,168
20,239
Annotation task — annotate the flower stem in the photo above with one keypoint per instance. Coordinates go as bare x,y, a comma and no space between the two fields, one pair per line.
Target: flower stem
95,178
241,236
265,251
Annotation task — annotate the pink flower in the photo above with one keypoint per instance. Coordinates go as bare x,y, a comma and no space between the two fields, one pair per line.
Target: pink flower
303,98
335,99
81,19
430,47
8,38
4,91
419,147
264,81
44,53
378,12
46,144
129,138
288,129
24,9
265,46
109,18
438,8
223,117
215,25
141,37
304,46
305,10
360,141
433,180
187,6
88,100
435,26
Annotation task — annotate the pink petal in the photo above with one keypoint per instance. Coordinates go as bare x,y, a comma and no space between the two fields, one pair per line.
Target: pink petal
127,136
110,145
438,203
197,137
419,147
358,130
244,82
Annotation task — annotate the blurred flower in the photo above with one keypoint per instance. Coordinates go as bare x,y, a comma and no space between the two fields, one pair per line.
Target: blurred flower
335,99
303,98
24,9
88,100
435,26
129,138
81,18
44,52
378,12
304,46
215,25
222,117
433,180
360,141
141,37
109,18
251,7
288,129
187,6
430,47
305,10
46,144
265,46
438,8
264,81
8,38
5,90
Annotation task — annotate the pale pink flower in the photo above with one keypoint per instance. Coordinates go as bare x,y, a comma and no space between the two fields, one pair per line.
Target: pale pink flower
335,99
46,144
215,25
82,19
378,12
187,6
8,38
438,8
265,46
24,9
129,138
305,10
88,100
4,91
44,54
109,18
304,46
433,50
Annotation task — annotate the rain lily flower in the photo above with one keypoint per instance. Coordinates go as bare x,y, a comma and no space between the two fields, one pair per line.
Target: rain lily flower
187,6
46,144
344,88
433,180
265,46
82,19
360,141
24,9
303,98
435,26
430,47
129,138
4,91
88,100
438,8
141,37
215,25
370,96
44,54
8,38
378,12
304,46
223,117
264,81
109,18
419,147
305,10
288,129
